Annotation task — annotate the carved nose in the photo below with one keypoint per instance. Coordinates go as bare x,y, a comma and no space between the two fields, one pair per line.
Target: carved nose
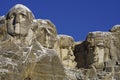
16,20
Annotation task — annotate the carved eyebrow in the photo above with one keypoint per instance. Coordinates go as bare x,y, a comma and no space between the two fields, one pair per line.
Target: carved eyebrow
10,14
23,13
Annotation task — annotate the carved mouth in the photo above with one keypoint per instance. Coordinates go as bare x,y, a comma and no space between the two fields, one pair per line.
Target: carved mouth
18,35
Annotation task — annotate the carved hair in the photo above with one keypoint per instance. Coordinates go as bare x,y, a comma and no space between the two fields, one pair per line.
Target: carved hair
20,8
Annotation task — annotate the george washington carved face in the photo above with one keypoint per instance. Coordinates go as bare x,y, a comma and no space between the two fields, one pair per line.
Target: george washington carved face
19,20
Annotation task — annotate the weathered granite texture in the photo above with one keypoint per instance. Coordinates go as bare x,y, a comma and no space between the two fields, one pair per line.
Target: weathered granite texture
23,55
100,51
65,48
31,49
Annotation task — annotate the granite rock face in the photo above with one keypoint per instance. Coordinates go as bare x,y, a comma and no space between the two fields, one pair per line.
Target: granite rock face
65,48
100,52
22,62
45,32
31,49
26,47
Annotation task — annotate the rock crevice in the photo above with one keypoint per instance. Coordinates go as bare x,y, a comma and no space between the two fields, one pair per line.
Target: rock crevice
31,49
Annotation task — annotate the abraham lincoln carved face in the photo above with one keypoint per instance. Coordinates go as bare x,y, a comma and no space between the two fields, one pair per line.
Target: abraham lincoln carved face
19,20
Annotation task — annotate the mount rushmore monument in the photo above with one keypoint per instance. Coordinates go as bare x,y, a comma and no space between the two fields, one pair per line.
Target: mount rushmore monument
31,49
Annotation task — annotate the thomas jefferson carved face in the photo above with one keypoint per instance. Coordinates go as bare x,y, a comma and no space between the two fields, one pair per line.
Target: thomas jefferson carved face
19,20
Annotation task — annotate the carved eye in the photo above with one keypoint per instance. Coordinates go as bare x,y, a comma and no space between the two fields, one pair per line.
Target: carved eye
23,16
11,16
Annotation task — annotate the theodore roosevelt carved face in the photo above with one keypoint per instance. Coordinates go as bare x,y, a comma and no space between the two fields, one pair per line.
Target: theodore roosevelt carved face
19,20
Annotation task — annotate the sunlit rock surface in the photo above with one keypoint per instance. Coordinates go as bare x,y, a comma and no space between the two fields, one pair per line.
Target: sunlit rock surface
31,49
100,52
65,48
20,62
23,54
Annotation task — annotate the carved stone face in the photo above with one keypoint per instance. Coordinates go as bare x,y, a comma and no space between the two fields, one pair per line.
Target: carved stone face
96,48
19,20
99,54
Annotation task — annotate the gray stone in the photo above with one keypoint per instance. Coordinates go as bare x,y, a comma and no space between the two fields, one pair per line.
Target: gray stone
22,57
65,50
45,33
19,20
31,49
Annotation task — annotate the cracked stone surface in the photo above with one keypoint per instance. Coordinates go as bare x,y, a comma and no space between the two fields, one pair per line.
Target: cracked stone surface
31,49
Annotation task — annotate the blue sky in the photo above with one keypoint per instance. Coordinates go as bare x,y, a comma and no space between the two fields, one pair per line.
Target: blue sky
72,17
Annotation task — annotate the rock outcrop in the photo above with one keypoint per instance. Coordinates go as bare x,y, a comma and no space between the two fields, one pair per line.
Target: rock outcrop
26,47
31,49
100,51
65,48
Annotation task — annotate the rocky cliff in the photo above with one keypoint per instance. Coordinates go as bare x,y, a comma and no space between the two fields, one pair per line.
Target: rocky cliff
31,49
